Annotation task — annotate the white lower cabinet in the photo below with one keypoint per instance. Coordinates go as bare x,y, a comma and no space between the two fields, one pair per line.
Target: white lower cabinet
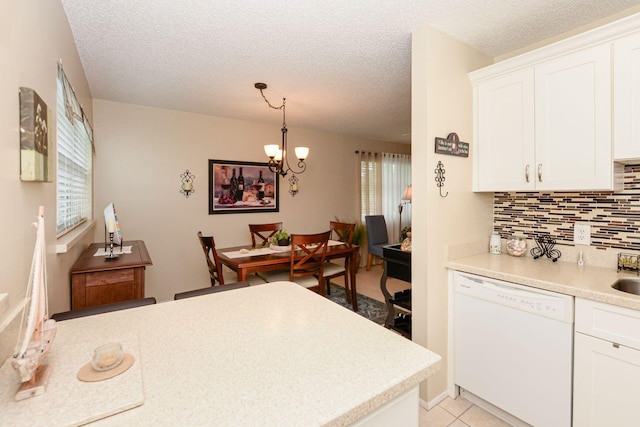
606,384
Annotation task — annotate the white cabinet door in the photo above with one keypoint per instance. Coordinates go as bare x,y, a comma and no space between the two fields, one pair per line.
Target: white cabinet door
606,383
573,121
504,153
626,98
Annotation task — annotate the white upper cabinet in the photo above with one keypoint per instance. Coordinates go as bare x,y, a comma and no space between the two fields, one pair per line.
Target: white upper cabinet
504,156
573,121
626,98
546,127
549,119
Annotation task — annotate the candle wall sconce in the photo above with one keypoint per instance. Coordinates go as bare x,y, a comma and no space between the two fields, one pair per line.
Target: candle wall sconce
440,178
293,185
187,183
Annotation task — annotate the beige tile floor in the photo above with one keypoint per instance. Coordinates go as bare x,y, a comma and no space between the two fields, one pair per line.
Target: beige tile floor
450,412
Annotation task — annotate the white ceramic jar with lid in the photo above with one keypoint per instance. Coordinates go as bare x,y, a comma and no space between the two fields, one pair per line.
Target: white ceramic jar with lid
495,244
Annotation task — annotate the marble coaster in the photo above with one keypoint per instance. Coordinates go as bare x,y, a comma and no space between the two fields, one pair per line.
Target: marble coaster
88,374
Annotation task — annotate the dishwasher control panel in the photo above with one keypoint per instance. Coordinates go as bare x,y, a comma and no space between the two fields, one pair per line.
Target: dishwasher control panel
532,300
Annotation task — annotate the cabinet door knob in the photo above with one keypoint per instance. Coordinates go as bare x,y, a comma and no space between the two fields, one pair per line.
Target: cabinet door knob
540,172
526,173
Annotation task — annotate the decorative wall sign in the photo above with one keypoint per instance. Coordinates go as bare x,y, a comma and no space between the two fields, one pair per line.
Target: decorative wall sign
452,146
34,137
242,187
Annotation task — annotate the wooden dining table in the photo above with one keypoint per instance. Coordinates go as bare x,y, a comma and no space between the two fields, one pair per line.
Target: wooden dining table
266,260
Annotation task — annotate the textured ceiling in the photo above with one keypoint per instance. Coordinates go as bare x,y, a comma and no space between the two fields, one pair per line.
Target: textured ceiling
344,66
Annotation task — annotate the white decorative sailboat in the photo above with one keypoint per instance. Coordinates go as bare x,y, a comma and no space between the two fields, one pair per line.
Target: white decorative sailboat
37,331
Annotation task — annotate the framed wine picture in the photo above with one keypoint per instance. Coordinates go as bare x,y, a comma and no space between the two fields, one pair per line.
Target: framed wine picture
242,187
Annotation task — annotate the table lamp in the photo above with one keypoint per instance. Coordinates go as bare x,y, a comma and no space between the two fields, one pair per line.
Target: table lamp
406,198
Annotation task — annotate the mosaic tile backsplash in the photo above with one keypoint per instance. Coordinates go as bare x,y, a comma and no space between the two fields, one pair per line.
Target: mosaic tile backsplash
614,216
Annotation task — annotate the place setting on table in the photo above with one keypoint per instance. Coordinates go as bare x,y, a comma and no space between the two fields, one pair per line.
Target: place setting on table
266,250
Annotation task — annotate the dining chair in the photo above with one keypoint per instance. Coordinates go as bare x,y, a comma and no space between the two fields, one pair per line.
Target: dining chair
263,232
104,308
216,274
376,237
215,268
210,290
260,236
308,256
342,232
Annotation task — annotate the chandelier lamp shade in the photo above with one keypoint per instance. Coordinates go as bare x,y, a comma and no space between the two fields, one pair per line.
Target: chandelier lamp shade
277,154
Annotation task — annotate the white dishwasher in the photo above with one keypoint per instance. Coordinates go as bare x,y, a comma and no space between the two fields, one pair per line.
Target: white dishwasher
513,348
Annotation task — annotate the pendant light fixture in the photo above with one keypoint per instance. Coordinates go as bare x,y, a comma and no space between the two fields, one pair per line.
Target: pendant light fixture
278,155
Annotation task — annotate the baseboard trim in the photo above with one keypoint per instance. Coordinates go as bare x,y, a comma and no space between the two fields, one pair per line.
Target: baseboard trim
433,402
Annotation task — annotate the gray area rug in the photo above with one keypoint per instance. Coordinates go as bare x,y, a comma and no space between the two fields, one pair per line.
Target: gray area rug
369,308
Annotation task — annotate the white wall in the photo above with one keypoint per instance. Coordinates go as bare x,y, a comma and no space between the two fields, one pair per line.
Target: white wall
34,35
441,103
142,151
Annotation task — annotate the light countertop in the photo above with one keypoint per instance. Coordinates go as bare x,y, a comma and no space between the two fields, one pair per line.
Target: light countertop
587,282
268,355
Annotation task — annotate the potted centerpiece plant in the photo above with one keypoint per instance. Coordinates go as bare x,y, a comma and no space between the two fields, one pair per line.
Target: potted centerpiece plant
281,238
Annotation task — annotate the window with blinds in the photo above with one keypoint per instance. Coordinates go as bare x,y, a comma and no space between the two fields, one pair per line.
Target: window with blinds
75,159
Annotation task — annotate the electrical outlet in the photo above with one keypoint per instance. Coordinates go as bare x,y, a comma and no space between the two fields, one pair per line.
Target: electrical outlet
582,234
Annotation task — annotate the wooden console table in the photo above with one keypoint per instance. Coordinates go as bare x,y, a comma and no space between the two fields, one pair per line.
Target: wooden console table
397,264
96,281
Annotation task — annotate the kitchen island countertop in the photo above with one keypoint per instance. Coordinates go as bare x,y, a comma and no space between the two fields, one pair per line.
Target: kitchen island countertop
586,281
269,355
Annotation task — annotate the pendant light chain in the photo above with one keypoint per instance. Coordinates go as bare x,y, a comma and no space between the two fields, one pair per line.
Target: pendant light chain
279,158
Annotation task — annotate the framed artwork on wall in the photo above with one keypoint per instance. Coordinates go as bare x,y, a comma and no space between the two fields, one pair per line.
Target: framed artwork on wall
242,187
34,137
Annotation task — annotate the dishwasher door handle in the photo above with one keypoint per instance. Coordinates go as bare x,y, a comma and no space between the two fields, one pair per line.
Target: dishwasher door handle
514,291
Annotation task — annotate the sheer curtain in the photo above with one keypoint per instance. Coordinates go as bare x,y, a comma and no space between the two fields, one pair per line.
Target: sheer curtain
384,178
396,176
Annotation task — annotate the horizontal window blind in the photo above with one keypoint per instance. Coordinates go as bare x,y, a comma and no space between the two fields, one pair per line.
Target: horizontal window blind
75,160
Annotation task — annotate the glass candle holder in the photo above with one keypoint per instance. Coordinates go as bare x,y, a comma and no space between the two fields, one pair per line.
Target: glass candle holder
516,246
107,357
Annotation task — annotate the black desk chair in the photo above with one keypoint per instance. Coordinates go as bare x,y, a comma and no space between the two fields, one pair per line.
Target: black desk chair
376,237
105,308
210,290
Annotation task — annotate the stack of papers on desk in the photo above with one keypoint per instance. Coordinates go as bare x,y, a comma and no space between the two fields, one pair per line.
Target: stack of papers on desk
117,250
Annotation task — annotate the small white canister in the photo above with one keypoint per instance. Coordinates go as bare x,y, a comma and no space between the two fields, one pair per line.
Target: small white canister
495,244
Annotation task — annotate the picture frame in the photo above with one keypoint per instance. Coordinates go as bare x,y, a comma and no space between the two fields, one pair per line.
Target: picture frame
256,195
34,137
